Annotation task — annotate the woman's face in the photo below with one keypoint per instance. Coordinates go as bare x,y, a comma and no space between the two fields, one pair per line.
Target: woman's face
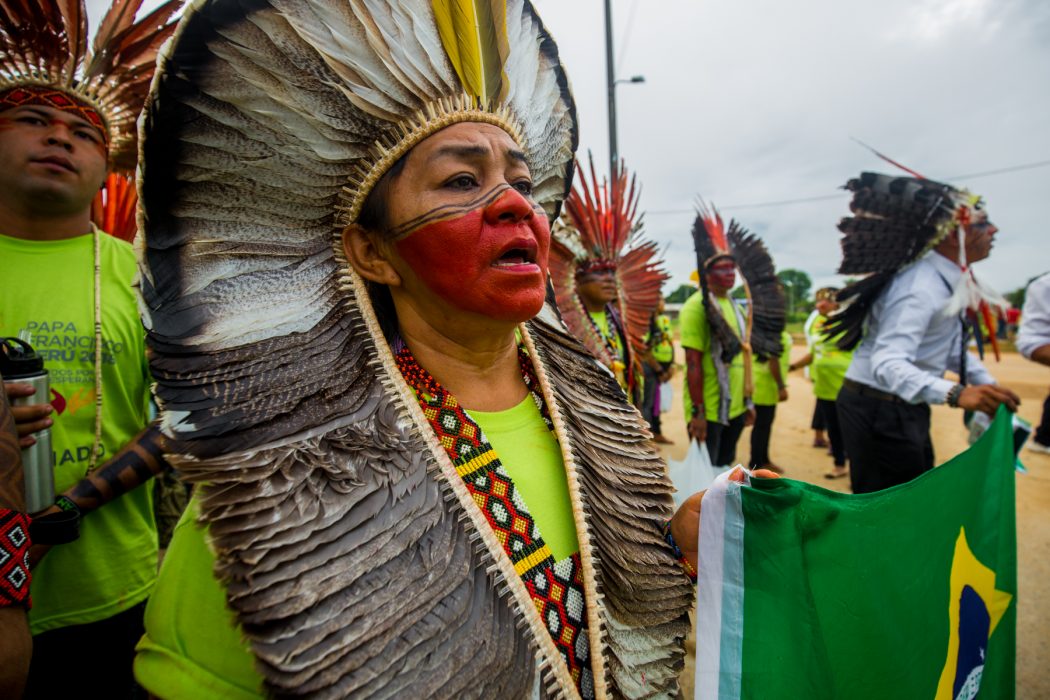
465,226
597,288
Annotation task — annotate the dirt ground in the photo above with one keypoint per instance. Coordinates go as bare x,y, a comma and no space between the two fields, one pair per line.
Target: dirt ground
791,448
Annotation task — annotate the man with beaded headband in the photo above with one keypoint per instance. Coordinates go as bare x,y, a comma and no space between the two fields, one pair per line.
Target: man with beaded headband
67,115
915,239
720,336
606,280
412,481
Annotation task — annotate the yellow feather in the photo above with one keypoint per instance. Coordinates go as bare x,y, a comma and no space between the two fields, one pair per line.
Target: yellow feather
474,34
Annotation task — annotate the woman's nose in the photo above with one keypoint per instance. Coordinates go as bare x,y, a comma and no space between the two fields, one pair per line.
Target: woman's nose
509,207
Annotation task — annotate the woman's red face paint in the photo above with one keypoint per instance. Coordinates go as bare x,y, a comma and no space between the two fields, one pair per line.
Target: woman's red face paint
722,274
491,261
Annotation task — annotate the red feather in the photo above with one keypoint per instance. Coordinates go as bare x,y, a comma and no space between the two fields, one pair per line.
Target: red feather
113,209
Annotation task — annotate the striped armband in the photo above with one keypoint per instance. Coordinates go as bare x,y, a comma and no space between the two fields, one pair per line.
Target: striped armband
14,559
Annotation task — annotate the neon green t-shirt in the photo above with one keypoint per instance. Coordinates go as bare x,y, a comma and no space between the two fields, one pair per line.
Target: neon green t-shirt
663,349
48,289
766,393
696,334
532,457
829,362
193,648
609,335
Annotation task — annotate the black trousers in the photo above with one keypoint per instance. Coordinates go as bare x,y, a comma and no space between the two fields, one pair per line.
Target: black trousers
1042,432
831,421
95,659
721,440
760,432
650,410
818,418
888,442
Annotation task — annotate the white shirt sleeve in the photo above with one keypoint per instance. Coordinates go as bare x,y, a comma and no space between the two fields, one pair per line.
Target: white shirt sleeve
976,372
1035,317
902,325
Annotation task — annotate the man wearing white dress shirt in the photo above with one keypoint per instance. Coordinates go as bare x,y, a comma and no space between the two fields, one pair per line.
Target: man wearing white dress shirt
1033,341
910,337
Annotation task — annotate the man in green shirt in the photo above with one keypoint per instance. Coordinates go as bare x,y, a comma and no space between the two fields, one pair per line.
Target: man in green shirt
719,335
715,405
67,288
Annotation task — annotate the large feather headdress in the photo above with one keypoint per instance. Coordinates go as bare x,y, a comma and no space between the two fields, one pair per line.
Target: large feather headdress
352,554
896,221
767,307
602,229
44,59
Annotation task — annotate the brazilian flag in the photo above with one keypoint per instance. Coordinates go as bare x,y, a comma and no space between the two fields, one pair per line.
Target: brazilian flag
906,593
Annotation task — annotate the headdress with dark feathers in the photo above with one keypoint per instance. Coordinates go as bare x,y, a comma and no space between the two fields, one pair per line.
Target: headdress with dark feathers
44,46
896,220
767,307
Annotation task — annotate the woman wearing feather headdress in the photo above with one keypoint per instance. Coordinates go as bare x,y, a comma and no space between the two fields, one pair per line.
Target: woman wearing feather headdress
915,239
413,482
67,116
720,336
606,279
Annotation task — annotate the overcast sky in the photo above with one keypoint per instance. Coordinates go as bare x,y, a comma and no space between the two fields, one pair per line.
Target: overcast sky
754,101
751,101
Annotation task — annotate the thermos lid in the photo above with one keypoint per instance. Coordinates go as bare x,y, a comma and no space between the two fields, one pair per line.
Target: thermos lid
18,359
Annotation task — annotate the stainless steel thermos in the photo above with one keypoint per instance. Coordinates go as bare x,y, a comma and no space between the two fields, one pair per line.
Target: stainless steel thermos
20,363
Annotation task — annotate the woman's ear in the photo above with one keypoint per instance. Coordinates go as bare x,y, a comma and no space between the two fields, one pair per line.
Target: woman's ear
368,257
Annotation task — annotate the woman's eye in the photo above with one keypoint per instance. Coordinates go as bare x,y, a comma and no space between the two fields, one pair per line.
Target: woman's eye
30,119
87,135
462,182
525,187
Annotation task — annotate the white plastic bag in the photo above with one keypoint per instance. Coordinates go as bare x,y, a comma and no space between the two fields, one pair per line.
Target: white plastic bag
666,397
693,474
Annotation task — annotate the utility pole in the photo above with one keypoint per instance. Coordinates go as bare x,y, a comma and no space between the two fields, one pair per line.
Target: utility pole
610,79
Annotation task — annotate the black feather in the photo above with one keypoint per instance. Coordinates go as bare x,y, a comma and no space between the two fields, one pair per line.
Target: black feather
895,221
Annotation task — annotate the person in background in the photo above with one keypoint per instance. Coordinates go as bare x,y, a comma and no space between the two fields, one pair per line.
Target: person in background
607,277
827,367
1033,341
770,389
906,320
659,367
67,119
819,427
719,334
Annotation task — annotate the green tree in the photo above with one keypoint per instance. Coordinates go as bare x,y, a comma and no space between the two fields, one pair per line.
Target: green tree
796,288
679,295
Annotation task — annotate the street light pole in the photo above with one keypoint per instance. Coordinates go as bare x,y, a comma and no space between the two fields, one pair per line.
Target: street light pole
610,78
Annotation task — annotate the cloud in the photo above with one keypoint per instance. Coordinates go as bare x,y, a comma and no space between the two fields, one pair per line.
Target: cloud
755,102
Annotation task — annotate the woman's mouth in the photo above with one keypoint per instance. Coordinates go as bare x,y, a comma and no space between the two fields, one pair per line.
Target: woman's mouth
519,256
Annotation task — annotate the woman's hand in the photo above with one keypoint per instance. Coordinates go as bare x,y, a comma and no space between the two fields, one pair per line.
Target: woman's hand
685,525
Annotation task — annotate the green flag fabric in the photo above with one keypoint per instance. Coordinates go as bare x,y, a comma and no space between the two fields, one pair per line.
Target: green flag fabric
908,593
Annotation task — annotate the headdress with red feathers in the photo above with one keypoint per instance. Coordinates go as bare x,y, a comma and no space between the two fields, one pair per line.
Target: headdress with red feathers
44,56
601,229
44,59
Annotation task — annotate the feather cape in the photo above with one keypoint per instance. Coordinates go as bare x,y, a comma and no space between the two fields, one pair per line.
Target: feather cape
352,554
